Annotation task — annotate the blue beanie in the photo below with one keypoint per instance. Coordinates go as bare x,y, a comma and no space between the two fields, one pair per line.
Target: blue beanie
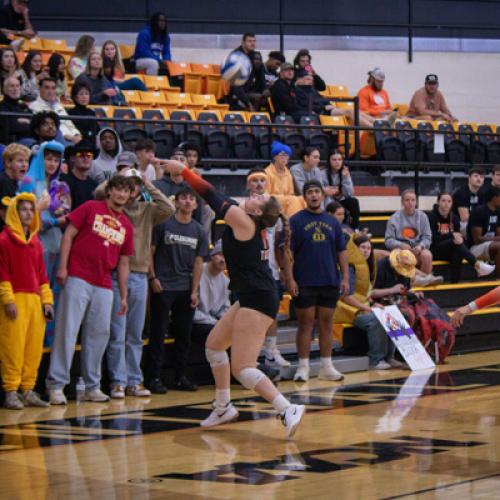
278,147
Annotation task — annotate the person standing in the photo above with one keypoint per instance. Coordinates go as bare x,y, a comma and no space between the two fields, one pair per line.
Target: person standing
318,247
245,324
99,239
178,248
125,346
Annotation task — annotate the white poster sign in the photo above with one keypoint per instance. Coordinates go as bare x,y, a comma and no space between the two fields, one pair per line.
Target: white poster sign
403,337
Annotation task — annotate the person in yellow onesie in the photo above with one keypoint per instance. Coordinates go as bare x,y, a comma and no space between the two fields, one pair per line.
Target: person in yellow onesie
26,302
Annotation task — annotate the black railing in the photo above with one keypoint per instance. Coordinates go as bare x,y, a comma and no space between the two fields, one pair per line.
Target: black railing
281,23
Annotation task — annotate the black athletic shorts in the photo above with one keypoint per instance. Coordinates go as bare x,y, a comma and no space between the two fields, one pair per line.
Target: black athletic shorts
264,301
321,296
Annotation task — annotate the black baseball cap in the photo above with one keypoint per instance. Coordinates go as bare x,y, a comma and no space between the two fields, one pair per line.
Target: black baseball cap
431,79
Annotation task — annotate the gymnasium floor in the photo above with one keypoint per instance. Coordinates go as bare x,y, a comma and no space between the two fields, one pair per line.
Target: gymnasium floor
379,435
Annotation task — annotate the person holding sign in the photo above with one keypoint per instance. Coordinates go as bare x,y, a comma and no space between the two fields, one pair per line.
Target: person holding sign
356,307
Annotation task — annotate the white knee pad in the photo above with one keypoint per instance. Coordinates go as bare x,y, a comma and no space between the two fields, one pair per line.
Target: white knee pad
249,377
216,358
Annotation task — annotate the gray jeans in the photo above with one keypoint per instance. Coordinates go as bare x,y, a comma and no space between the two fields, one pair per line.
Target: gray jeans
380,345
88,306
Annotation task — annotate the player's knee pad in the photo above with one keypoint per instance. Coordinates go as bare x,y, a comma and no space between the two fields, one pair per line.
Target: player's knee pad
249,377
216,358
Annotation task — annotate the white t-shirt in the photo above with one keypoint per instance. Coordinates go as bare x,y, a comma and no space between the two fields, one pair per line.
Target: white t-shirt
271,236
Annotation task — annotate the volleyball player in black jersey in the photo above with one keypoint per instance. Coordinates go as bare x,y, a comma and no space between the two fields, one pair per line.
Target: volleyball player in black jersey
244,326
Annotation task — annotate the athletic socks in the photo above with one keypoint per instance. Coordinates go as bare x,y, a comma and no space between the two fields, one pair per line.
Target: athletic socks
304,362
280,403
222,397
270,343
325,362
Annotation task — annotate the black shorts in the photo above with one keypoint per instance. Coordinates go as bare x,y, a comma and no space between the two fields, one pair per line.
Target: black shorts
264,301
280,290
320,296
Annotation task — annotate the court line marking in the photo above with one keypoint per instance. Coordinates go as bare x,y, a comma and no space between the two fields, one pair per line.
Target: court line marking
442,487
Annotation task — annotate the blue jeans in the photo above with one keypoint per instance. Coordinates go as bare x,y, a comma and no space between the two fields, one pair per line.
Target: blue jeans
380,345
124,351
132,84
88,306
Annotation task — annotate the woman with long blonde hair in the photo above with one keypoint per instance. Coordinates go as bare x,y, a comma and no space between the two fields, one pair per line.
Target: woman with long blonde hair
114,70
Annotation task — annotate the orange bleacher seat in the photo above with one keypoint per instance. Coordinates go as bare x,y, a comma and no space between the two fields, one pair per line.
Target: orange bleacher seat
154,82
339,121
179,99
34,43
178,68
21,56
338,90
193,83
215,69
55,45
203,69
132,96
402,109
208,101
126,51
212,83
153,99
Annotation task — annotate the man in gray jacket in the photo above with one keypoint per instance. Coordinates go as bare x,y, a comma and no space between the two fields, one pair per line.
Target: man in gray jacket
409,229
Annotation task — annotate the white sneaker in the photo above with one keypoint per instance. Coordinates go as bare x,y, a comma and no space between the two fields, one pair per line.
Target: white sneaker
394,363
138,391
117,392
275,359
381,365
221,415
291,418
302,374
330,373
428,279
484,269
12,401
16,45
31,398
57,397
96,396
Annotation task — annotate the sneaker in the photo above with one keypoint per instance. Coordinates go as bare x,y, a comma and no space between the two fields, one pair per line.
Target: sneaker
138,391
392,117
184,384
156,386
428,279
57,397
12,401
381,365
221,415
275,359
484,269
394,363
291,418
117,392
31,398
96,396
17,44
330,373
302,374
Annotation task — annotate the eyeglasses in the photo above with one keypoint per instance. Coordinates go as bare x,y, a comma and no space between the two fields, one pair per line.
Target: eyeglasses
84,154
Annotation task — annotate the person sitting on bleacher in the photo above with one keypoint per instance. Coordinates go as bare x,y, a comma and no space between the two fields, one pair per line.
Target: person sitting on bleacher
9,65
284,96
78,62
101,90
302,61
307,170
109,149
152,47
374,100
409,229
271,67
80,94
428,102
447,241
48,101
495,180
57,70
467,197
339,186
13,127
483,229
44,126
15,21
32,71
356,306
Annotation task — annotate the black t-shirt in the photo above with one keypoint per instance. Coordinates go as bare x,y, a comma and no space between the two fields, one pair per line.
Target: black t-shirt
387,277
8,187
248,262
484,218
465,198
81,191
10,19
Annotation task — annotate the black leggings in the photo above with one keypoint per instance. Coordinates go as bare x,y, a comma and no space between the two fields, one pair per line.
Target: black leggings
352,205
450,251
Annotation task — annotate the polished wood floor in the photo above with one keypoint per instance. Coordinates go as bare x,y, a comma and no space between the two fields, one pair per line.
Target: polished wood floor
379,435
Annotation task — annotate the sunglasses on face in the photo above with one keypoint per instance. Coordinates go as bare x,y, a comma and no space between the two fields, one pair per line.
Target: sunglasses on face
84,154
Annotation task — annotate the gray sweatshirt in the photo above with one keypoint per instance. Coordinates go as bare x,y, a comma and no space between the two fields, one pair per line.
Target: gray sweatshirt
411,229
301,176
214,297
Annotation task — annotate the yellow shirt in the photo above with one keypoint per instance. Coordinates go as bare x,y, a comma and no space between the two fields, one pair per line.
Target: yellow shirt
279,182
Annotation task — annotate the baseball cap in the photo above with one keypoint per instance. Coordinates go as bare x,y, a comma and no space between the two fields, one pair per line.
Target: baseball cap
133,173
127,159
431,78
286,65
377,73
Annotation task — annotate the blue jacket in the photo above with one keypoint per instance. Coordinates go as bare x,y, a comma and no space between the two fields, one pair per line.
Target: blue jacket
145,47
